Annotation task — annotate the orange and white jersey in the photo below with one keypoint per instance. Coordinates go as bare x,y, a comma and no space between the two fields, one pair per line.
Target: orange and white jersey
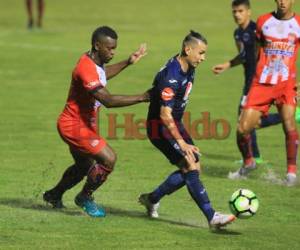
279,42
81,106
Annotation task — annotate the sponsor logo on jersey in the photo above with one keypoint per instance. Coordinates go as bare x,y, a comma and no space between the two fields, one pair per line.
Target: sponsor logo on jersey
93,84
172,81
280,48
167,94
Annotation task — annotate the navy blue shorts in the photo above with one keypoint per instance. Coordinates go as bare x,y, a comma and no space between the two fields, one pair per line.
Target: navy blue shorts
162,140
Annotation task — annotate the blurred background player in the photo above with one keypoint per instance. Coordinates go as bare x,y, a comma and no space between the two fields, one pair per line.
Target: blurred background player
40,13
169,97
77,124
245,40
278,36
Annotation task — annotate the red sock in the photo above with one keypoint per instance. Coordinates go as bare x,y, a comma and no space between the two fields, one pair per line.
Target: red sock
244,145
96,176
292,141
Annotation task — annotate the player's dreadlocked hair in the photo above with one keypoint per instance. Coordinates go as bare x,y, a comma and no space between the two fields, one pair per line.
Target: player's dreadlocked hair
103,31
240,2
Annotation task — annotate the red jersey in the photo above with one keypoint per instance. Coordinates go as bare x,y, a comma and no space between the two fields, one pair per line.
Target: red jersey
279,41
81,106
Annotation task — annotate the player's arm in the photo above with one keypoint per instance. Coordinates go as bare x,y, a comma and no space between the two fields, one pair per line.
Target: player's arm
237,60
114,69
113,101
168,121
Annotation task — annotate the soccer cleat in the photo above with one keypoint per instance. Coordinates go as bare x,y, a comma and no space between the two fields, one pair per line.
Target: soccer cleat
53,199
152,209
297,115
243,171
221,220
259,160
89,206
291,180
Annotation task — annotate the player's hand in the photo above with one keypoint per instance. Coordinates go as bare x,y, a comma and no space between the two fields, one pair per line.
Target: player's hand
189,151
220,68
137,55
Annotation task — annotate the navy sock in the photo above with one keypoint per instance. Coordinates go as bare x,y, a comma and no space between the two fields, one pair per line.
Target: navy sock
198,193
254,145
269,120
174,182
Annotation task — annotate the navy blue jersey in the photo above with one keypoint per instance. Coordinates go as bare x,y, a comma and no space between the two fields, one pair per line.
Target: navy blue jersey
246,38
171,87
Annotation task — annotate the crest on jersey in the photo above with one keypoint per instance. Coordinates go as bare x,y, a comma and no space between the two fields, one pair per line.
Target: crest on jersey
167,94
246,37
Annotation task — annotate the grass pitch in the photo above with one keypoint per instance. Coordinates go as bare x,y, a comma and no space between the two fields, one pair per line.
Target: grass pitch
35,71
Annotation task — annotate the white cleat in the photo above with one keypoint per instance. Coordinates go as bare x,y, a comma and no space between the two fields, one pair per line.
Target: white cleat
291,180
152,209
242,172
221,220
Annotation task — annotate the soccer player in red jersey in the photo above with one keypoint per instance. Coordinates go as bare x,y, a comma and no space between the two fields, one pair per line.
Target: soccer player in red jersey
40,9
245,39
77,124
274,82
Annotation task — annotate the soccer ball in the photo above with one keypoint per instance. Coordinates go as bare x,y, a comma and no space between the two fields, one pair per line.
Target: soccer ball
243,203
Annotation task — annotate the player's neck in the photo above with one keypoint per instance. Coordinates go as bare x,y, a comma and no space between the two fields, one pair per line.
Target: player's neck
245,24
284,16
94,57
183,63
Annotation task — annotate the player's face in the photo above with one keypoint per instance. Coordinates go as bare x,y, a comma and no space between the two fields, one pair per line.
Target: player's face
196,53
284,6
241,14
106,49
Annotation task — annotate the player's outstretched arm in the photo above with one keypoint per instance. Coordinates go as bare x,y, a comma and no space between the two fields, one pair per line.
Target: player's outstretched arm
114,69
113,101
220,68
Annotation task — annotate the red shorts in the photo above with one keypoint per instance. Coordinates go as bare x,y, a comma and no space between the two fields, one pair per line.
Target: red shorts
262,96
79,137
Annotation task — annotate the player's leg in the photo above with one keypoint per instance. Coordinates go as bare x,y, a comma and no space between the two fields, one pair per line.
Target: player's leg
270,120
254,144
29,13
287,113
171,184
72,176
40,8
199,194
249,120
96,176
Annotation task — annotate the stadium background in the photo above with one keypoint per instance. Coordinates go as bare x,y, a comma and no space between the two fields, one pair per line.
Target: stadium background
35,69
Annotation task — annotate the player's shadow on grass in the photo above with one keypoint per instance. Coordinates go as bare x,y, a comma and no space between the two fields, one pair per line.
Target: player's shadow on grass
142,215
34,205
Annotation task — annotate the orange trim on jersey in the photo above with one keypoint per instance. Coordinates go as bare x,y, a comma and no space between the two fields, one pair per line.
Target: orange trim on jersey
167,94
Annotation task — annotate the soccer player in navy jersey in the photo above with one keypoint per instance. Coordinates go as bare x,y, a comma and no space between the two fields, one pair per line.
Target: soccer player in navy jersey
169,96
245,40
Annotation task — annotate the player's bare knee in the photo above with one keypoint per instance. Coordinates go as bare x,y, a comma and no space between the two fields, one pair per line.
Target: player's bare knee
243,128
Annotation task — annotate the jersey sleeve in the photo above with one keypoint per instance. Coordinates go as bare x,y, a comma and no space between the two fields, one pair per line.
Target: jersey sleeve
89,76
167,87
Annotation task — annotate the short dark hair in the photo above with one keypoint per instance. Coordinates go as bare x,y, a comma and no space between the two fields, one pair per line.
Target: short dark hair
240,2
192,36
103,31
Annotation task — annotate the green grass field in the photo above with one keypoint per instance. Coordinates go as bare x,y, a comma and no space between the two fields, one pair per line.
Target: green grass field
35,70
